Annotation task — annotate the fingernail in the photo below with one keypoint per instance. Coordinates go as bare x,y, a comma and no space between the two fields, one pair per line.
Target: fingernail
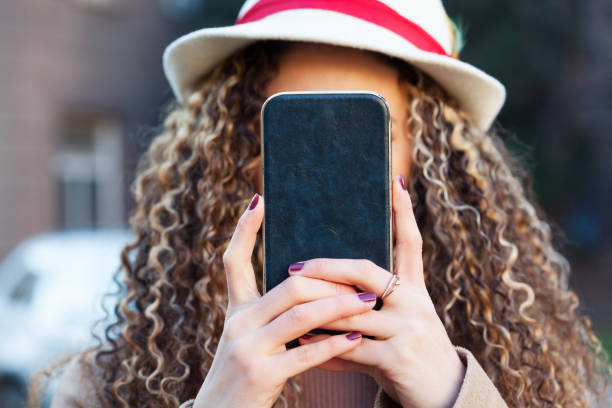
306,336
296,267
367,296
403,181
254,201
353,335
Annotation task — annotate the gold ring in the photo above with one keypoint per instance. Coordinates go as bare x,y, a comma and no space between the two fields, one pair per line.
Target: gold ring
393,282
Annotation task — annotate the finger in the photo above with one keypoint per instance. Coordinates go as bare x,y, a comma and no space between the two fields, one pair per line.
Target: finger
304,317
371,323
363,273
408,240
336,363
370,353
293,291
301,358
241,282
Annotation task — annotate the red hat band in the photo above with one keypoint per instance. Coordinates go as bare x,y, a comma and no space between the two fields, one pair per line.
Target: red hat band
372,11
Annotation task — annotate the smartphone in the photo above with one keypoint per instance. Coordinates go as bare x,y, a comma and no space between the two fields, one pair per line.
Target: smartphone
326,169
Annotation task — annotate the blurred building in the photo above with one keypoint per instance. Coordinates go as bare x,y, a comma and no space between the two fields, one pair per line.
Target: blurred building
82,86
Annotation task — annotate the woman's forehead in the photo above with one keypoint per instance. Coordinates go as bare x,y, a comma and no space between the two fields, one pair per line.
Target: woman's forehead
312,67
312,62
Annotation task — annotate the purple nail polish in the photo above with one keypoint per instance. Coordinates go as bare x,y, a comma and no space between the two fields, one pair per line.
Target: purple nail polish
353,335
403,181
295,267
367,296
254,201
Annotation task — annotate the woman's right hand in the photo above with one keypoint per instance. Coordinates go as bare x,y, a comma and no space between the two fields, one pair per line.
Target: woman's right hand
251,363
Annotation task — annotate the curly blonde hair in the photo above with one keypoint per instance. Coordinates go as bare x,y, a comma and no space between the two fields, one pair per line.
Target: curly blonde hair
499,286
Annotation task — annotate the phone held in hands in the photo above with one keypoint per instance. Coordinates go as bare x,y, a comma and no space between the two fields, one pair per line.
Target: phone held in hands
326,169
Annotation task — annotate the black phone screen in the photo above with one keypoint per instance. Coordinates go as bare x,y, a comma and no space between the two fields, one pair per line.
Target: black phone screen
326,179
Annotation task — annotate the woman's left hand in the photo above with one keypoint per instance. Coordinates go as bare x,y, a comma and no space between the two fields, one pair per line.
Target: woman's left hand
411,357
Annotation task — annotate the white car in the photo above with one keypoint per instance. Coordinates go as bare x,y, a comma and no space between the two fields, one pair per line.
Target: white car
51,289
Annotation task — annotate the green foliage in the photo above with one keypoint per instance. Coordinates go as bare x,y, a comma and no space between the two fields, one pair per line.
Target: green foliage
527,46
605,335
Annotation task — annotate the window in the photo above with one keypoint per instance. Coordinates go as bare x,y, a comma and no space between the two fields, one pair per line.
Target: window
89,171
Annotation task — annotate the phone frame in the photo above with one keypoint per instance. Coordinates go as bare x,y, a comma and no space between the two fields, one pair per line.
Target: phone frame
263,187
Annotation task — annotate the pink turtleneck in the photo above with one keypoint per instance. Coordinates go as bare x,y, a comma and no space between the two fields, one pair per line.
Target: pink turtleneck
338,389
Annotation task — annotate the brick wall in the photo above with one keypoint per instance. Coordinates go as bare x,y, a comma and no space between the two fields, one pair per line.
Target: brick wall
57,56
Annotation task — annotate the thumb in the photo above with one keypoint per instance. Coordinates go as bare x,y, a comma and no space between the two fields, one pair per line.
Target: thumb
241,283
408,237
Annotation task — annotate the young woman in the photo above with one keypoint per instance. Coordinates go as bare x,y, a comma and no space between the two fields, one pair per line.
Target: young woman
483,316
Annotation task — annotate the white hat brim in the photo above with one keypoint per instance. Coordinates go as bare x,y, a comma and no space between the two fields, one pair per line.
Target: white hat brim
188,57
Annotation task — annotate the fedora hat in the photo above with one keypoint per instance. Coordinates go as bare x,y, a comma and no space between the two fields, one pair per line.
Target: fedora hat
417,31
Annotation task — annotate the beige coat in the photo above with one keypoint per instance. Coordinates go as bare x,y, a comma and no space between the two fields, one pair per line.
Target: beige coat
477,390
